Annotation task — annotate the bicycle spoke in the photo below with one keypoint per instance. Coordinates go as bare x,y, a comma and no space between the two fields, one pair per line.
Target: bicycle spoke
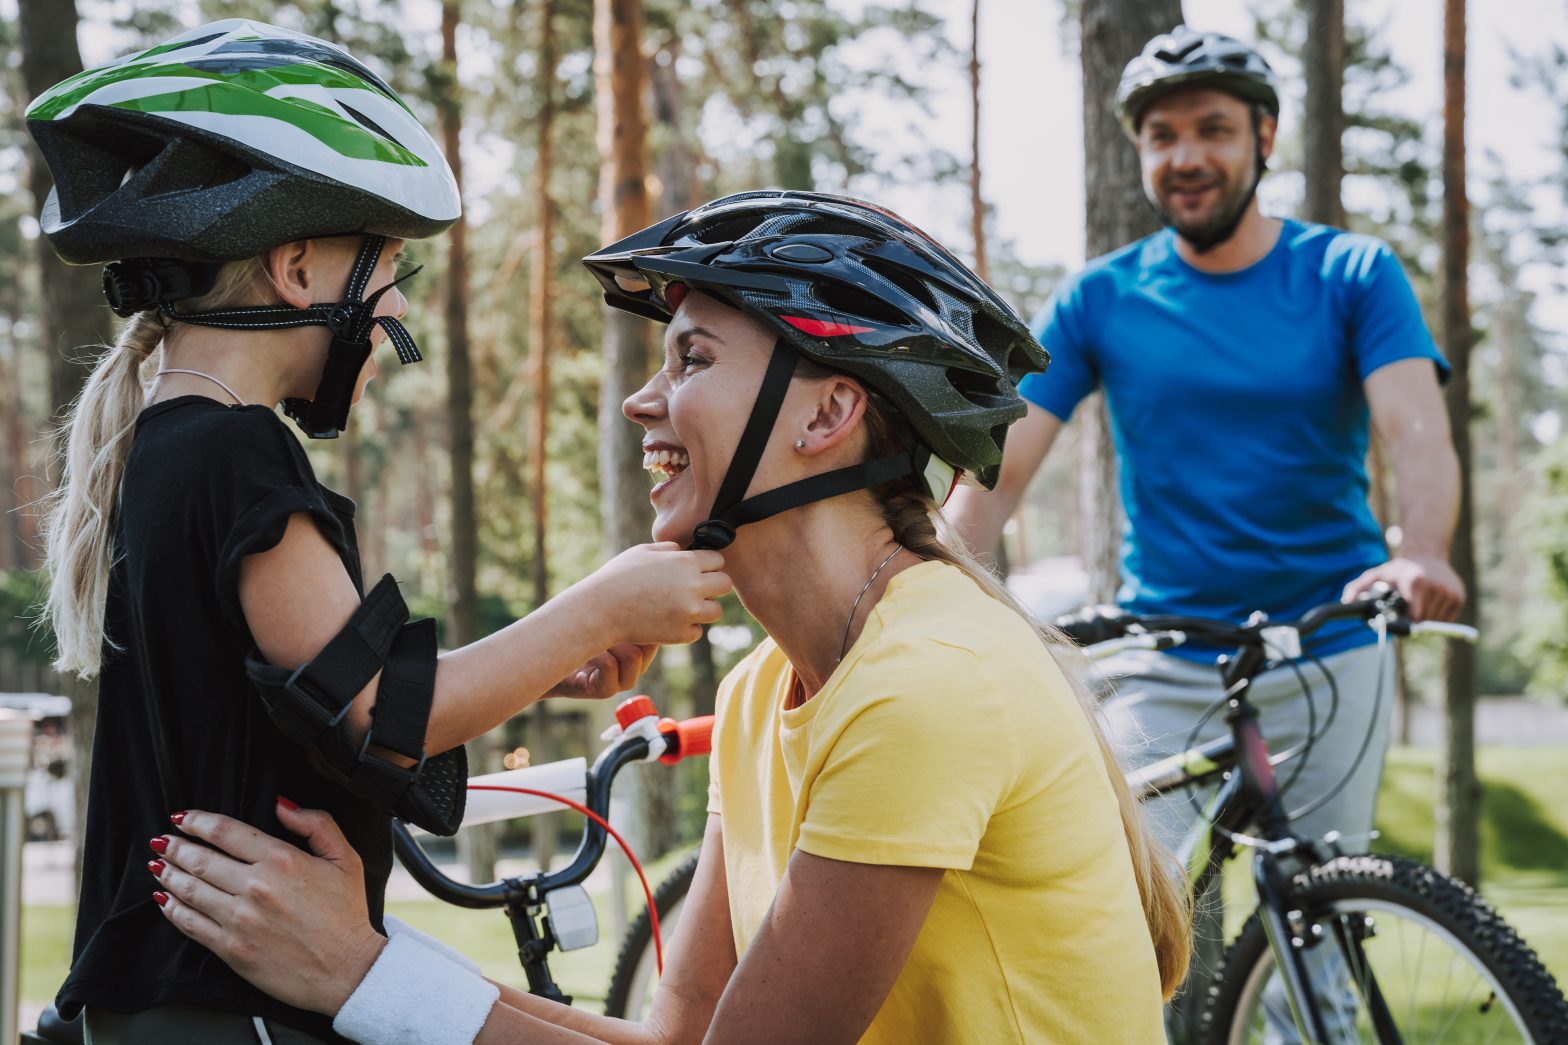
1453,1018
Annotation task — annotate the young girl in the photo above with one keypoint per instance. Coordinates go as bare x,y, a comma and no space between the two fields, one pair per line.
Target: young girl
915,832
249,188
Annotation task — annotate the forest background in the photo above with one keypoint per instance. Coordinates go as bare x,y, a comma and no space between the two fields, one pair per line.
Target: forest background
501,471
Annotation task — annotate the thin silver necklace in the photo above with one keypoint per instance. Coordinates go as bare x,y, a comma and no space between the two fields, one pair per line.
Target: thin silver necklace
197,373
844,646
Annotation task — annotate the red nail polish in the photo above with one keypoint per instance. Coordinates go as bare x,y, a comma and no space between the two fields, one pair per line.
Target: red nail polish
162,899
177,818
156,867
289,804
160,844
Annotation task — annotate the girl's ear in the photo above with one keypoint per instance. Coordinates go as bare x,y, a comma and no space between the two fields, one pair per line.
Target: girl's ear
292,270
840,404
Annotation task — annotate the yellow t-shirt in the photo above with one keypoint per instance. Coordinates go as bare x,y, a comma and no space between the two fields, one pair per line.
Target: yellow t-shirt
947,738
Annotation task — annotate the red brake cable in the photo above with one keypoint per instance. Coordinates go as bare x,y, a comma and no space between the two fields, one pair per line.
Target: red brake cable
653,914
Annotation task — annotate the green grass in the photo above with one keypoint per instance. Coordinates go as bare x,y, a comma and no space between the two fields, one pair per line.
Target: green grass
1524,868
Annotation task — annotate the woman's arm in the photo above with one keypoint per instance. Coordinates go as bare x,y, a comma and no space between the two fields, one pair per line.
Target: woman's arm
295,925
836,938
296,596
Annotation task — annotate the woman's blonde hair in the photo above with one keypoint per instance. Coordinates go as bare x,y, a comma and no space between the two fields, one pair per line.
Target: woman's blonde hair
911,513
78,516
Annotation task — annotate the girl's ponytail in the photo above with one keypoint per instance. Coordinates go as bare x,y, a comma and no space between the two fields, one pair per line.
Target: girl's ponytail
78,516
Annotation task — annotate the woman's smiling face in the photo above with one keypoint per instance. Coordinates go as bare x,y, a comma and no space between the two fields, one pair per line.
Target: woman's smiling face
695,407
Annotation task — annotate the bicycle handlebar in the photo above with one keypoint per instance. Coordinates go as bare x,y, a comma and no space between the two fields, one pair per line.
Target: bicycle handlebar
1099,627
683,739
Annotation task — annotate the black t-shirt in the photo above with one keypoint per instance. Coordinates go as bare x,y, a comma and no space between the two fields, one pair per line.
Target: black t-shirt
179,725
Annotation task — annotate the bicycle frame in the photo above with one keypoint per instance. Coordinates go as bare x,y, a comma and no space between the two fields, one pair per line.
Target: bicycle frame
1248,794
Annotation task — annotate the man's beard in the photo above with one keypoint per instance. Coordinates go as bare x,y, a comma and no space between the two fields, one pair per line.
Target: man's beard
1204,236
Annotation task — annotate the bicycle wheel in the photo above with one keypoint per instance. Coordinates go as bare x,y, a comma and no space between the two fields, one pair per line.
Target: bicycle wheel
1403,954
636,966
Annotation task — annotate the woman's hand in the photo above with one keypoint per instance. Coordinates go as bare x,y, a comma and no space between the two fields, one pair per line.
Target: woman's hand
657,593
616,670
293,924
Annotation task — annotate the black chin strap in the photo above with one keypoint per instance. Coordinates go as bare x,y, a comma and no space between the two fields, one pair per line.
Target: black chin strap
732,509
351,320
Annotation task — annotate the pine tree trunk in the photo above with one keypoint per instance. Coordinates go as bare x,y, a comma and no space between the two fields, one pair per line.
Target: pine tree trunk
1457,846
976,200
1323,162
476,844
460,392
74,313
1111,33
17,490
539,299
620,72
544,829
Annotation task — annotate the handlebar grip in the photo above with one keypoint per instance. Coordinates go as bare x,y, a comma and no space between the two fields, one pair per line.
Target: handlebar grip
1094,624
687,739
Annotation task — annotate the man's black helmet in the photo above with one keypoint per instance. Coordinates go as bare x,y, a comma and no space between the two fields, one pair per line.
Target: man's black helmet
857,289
1186,58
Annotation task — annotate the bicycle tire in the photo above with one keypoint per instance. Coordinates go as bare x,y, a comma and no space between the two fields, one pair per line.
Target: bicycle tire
635,961
1395,888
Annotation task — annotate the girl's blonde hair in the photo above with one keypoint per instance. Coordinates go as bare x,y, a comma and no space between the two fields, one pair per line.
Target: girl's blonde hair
78,516
910,512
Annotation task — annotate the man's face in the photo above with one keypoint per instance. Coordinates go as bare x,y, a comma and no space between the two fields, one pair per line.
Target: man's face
1199,156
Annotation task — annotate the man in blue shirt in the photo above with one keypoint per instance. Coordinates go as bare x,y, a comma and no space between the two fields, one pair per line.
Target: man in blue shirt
1244,359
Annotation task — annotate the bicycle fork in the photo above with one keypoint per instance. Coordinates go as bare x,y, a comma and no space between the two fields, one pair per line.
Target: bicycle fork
1290,934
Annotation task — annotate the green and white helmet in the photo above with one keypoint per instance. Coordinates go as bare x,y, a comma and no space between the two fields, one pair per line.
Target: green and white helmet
230,139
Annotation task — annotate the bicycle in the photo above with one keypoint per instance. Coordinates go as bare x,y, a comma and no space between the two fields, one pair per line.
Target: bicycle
1365,907
1326,953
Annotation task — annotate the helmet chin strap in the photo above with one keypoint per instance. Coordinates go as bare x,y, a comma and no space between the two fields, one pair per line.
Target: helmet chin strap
732,509
351,320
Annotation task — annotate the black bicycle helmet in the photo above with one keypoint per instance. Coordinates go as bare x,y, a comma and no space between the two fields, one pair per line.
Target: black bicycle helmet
224,142
1187,58
855,288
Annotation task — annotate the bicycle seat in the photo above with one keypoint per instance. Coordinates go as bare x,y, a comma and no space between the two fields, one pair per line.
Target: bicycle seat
53,1030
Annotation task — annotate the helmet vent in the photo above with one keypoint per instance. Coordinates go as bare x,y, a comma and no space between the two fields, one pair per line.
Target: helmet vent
901,278
367,122
975,387
857,304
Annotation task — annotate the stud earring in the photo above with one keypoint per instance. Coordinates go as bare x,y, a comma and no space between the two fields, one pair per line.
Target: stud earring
800,444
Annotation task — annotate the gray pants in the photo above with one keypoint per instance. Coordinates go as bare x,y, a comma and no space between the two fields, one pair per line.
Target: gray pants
1159,700
186,1025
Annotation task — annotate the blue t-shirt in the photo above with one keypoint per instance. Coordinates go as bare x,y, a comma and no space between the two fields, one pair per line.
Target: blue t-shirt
1239,416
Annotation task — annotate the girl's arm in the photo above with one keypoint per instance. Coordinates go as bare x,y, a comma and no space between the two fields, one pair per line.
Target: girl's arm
297,595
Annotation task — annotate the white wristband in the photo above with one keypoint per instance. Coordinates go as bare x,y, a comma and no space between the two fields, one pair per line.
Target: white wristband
398,927
414,995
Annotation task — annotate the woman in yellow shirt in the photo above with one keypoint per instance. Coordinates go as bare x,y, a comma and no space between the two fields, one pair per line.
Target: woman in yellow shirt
916,833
